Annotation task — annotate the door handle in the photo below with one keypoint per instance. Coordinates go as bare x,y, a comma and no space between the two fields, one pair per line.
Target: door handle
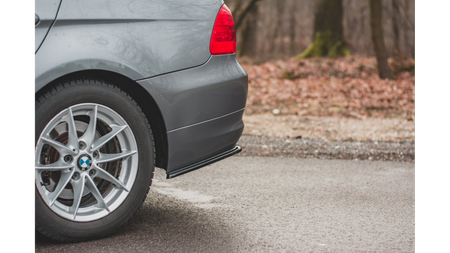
35,19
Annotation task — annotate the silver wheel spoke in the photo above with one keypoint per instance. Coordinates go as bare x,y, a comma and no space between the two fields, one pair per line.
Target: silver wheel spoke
72,131
101,173
104,158
62,149
104,139
63,181
56,166
91,186
89,134
78,187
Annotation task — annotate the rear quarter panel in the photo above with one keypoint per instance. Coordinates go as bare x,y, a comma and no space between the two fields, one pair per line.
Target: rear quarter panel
46,12
138,39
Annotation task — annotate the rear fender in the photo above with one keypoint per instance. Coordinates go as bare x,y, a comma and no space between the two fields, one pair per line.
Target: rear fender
137,39
46,12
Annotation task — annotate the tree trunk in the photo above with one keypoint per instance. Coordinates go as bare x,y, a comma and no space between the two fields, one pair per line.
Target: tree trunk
249,33
292,25
328,39
278,49
396,28
377,39
241,17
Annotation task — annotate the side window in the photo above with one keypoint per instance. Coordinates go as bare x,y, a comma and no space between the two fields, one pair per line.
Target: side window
46,11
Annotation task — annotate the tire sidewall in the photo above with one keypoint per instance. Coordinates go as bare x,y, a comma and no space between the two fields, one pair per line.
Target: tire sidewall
90,91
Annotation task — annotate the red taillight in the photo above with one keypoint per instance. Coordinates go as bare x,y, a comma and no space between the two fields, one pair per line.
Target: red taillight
223,38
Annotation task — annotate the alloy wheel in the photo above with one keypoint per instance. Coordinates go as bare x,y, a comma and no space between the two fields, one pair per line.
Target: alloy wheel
86,162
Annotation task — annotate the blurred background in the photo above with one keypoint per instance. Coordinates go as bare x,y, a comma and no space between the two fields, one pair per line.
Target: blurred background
327,72
280,29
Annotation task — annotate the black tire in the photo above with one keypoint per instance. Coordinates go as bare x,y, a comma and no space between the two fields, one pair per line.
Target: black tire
70,93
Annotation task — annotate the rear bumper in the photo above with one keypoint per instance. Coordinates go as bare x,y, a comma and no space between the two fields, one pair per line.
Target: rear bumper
202,109
196,143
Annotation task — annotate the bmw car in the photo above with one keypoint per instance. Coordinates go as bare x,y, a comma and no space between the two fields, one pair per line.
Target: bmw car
122,87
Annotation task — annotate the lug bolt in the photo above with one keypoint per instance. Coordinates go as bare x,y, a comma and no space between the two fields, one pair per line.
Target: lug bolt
92,173
95,154
82,145
67,158
76,176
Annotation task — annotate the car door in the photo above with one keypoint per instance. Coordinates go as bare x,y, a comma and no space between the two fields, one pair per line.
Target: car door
45,15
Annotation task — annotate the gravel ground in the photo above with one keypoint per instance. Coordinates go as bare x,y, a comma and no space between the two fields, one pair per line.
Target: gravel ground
374,139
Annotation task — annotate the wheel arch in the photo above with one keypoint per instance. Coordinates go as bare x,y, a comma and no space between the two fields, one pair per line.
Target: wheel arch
142,97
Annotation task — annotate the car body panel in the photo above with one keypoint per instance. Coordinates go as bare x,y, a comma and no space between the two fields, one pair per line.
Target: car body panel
137,39
202,108
198,94
198,142
46,12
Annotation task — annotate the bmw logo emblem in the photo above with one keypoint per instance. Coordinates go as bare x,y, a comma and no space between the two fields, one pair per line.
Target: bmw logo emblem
84,162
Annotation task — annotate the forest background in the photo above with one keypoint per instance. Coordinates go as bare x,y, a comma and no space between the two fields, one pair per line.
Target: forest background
328,58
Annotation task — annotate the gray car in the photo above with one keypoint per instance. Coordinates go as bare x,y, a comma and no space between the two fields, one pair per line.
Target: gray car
122,87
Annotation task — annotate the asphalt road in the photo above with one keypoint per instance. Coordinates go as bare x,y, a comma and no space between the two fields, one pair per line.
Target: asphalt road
267,204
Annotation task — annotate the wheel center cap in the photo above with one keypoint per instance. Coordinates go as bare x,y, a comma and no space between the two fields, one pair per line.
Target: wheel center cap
84,162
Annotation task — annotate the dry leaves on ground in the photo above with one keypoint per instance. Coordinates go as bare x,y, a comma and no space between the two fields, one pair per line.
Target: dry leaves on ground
346,86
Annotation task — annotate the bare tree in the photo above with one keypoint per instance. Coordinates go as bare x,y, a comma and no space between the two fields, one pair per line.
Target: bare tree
247,45
328,35
395,27
280,29
292,25
378,39
247,9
